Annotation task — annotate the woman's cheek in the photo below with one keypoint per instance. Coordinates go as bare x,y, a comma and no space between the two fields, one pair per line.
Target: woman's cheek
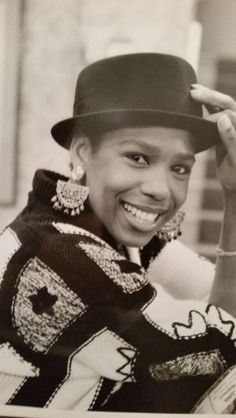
179,191
182,194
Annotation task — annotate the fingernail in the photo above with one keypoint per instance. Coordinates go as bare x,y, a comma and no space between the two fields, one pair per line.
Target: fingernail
194,86
197,92
225,122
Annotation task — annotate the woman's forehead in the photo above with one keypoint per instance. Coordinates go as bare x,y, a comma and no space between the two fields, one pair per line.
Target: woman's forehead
151,138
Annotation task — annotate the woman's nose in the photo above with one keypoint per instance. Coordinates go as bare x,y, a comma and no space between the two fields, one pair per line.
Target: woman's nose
156,184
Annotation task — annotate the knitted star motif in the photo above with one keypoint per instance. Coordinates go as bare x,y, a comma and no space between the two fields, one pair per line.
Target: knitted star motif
43,301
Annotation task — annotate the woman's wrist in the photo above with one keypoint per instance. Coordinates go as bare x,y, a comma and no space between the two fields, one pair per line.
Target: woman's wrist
222,253
228,229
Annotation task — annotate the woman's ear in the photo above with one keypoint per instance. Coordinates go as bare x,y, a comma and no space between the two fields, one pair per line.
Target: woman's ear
80,151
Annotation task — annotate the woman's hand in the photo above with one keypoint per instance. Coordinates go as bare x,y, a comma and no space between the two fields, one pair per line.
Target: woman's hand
222,109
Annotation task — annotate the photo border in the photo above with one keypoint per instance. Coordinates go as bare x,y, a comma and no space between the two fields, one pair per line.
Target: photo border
11,14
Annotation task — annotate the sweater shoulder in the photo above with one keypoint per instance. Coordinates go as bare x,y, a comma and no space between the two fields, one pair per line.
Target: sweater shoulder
85,262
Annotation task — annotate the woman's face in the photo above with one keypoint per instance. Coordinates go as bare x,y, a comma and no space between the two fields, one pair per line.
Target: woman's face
138,178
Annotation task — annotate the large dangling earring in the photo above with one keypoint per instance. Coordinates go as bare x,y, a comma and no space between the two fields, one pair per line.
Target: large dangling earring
172,229
70,196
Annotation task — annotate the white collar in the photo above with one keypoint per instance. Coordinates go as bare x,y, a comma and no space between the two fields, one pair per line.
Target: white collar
134,255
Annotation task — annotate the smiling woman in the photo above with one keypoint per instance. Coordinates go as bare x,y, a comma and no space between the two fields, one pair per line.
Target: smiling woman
137,177
81,325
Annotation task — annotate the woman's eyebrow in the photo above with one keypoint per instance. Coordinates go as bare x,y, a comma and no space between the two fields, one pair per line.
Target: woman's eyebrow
152,149
185,156
155,150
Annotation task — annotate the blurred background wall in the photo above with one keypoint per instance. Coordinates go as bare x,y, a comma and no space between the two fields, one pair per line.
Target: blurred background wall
54,39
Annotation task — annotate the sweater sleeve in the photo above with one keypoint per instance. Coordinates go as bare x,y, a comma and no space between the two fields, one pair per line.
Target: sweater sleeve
182,272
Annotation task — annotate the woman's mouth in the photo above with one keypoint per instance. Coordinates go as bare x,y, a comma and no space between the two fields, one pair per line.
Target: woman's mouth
139,215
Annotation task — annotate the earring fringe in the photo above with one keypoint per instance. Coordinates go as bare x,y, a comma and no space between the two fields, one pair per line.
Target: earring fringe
172,229
70,197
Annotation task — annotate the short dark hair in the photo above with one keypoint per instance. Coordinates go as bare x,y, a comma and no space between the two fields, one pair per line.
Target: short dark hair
93,132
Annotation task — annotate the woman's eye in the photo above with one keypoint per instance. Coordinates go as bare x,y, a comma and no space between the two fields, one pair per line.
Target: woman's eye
138,158
180,169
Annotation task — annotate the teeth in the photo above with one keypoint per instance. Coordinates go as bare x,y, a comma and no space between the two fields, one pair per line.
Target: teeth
140,215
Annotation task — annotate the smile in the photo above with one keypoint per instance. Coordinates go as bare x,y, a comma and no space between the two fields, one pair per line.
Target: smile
140,215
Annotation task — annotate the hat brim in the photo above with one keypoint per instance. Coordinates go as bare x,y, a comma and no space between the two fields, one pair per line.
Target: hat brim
205,132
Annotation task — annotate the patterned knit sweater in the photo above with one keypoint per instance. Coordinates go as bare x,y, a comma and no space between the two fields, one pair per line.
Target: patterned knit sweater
82,328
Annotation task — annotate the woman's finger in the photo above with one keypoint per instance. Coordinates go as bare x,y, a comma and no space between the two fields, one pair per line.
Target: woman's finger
228,135
229,113
212,98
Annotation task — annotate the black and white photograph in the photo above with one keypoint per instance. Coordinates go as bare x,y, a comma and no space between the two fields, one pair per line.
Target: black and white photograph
117,208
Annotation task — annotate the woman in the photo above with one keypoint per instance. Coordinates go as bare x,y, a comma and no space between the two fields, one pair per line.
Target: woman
81,326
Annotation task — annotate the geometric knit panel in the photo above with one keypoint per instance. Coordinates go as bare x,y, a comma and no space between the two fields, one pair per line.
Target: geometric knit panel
11,362
9,244
186,319
78,389
109,356
43,306
221,320
65,228
168,314
208,363
14,371
9,384
107,259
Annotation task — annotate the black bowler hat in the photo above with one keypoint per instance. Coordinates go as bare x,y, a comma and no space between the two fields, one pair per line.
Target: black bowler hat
140,89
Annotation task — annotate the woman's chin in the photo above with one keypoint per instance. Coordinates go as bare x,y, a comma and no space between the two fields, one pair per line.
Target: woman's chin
133,240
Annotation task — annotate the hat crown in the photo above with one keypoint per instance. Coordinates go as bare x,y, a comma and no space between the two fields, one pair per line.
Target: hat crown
143,89
144,81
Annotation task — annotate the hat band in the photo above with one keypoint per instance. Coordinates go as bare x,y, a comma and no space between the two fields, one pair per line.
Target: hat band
132,100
